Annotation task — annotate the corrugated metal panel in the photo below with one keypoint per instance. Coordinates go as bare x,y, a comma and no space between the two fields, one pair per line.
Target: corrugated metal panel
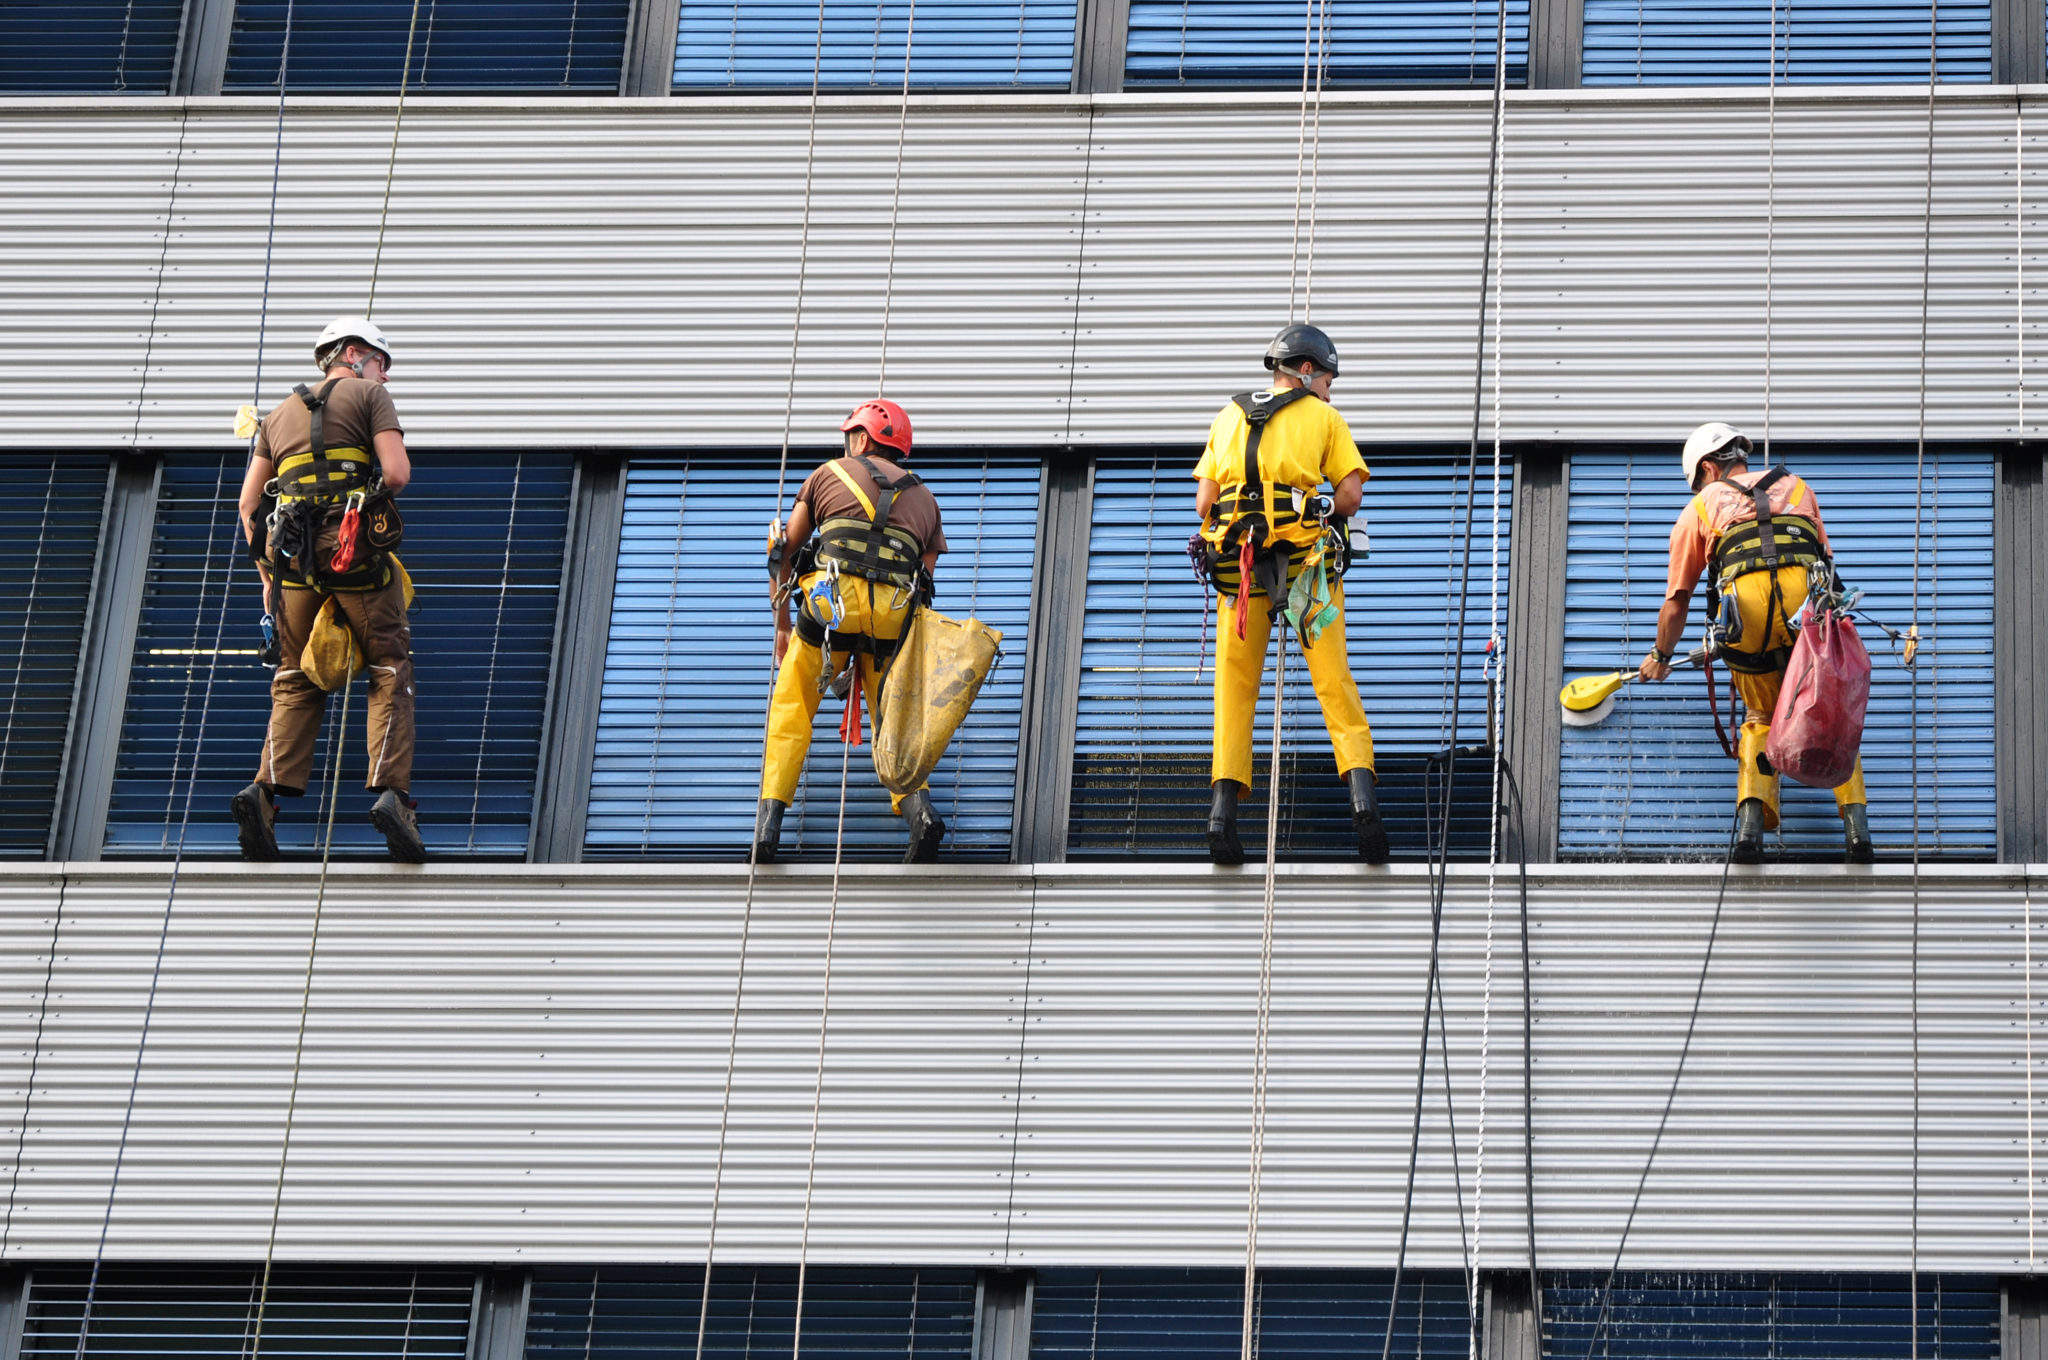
1652,781
527,1064
677,770
111,46
484,545
1143,725
50,512
769,44
1264,44
1662,42
455,45
596,252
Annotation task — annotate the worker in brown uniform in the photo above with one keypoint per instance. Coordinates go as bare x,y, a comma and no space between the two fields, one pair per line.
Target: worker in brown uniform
857,556
321,453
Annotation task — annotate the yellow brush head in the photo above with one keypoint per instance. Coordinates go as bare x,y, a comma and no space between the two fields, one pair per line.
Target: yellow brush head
1588,692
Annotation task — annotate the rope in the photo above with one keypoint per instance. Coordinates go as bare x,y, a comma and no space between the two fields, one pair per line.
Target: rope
1308,20
1770,227
391,165
199,745
1260,1042
35,1060
896,197
1528,1063
163,259
1315,168
739,987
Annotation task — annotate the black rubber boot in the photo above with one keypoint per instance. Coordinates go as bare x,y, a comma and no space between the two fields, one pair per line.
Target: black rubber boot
1224,846
1856,835
926,829
1749,831
256,817
768,829
1365,816
397,816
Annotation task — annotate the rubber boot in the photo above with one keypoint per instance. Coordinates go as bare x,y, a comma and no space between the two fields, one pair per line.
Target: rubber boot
397,816
926,830
768,829
1856,835
1224,846
1365,815
256,817
1749,831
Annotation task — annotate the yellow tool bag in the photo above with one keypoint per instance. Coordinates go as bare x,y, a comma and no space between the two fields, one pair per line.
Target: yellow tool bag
331,658
938,670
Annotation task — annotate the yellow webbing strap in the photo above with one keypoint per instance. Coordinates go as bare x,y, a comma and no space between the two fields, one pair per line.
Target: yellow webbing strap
843,475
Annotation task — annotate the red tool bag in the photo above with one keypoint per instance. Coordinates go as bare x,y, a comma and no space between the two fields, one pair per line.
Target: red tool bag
1819,719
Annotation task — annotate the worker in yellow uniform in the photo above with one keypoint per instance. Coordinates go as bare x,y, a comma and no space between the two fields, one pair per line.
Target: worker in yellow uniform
1259,493
322,454
1759,540
877,537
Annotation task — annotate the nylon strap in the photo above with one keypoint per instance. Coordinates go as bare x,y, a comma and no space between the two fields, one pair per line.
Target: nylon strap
1759,492
1258,408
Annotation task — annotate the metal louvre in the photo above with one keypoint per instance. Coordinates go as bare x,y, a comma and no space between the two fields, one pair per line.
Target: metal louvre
111,46
484,545
768,44
527,1064
612,1311
1678,42
1263,44
456,45
1652,781
636,231
212,1311
50,513
1143,724
677,768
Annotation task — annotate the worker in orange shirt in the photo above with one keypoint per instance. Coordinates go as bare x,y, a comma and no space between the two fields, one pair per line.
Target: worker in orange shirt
1758,538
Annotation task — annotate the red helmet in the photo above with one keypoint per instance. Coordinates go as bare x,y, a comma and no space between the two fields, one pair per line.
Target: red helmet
885,422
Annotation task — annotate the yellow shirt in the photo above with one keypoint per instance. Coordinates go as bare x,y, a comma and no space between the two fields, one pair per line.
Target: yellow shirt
1306,444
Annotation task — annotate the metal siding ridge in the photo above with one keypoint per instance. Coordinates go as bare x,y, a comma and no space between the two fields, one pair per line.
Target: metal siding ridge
525,1063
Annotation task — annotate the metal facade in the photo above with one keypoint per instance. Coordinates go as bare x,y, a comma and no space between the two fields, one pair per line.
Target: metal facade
559,272
1045,1068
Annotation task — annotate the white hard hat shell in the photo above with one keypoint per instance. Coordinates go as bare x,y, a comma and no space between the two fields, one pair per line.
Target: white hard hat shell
1708,440
353,328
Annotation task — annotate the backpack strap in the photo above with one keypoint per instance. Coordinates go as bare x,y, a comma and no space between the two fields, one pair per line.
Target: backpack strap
1759,492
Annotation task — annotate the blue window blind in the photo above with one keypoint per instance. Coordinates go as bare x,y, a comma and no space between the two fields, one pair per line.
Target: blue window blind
1138,1314
644,1313
1699,1316
1143,724
483,540
1820,42
1261,43
51,506
687,670
88,46
955,44
458,45
336,1312
1651,782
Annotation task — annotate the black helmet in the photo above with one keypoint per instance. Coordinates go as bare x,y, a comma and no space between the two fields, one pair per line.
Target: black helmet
1302,341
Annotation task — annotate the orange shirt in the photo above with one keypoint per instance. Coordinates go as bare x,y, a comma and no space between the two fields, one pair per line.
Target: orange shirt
1720,508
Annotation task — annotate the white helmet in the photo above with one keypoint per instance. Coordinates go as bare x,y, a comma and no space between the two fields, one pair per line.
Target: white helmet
1707,441
352,328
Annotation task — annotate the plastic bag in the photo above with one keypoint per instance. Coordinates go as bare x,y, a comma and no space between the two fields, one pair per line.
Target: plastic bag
331,658
932,682
1818,723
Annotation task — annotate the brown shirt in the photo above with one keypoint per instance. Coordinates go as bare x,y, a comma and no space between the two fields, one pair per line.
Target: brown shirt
915,510
358,410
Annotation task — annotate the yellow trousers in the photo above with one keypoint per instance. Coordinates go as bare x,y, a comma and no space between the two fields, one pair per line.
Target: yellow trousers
1764,628
869,610
1241,664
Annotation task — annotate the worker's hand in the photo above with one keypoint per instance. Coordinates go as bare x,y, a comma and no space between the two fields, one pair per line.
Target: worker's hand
782,632
1652,668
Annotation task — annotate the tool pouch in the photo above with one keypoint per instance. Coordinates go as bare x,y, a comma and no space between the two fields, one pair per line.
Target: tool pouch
383,526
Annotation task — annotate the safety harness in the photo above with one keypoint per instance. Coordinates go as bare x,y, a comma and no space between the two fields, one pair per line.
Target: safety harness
1767,543
872,549
319,486
1249,508
322,474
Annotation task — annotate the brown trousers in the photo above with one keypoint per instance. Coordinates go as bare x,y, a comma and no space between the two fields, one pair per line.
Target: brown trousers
377,619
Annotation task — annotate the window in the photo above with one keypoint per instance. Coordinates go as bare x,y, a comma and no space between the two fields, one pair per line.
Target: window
457,45
639,1312
483,541
961,44
51,506
1143,725
1820,42
342,1313
88,46
1651,782
1261,43
678,762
